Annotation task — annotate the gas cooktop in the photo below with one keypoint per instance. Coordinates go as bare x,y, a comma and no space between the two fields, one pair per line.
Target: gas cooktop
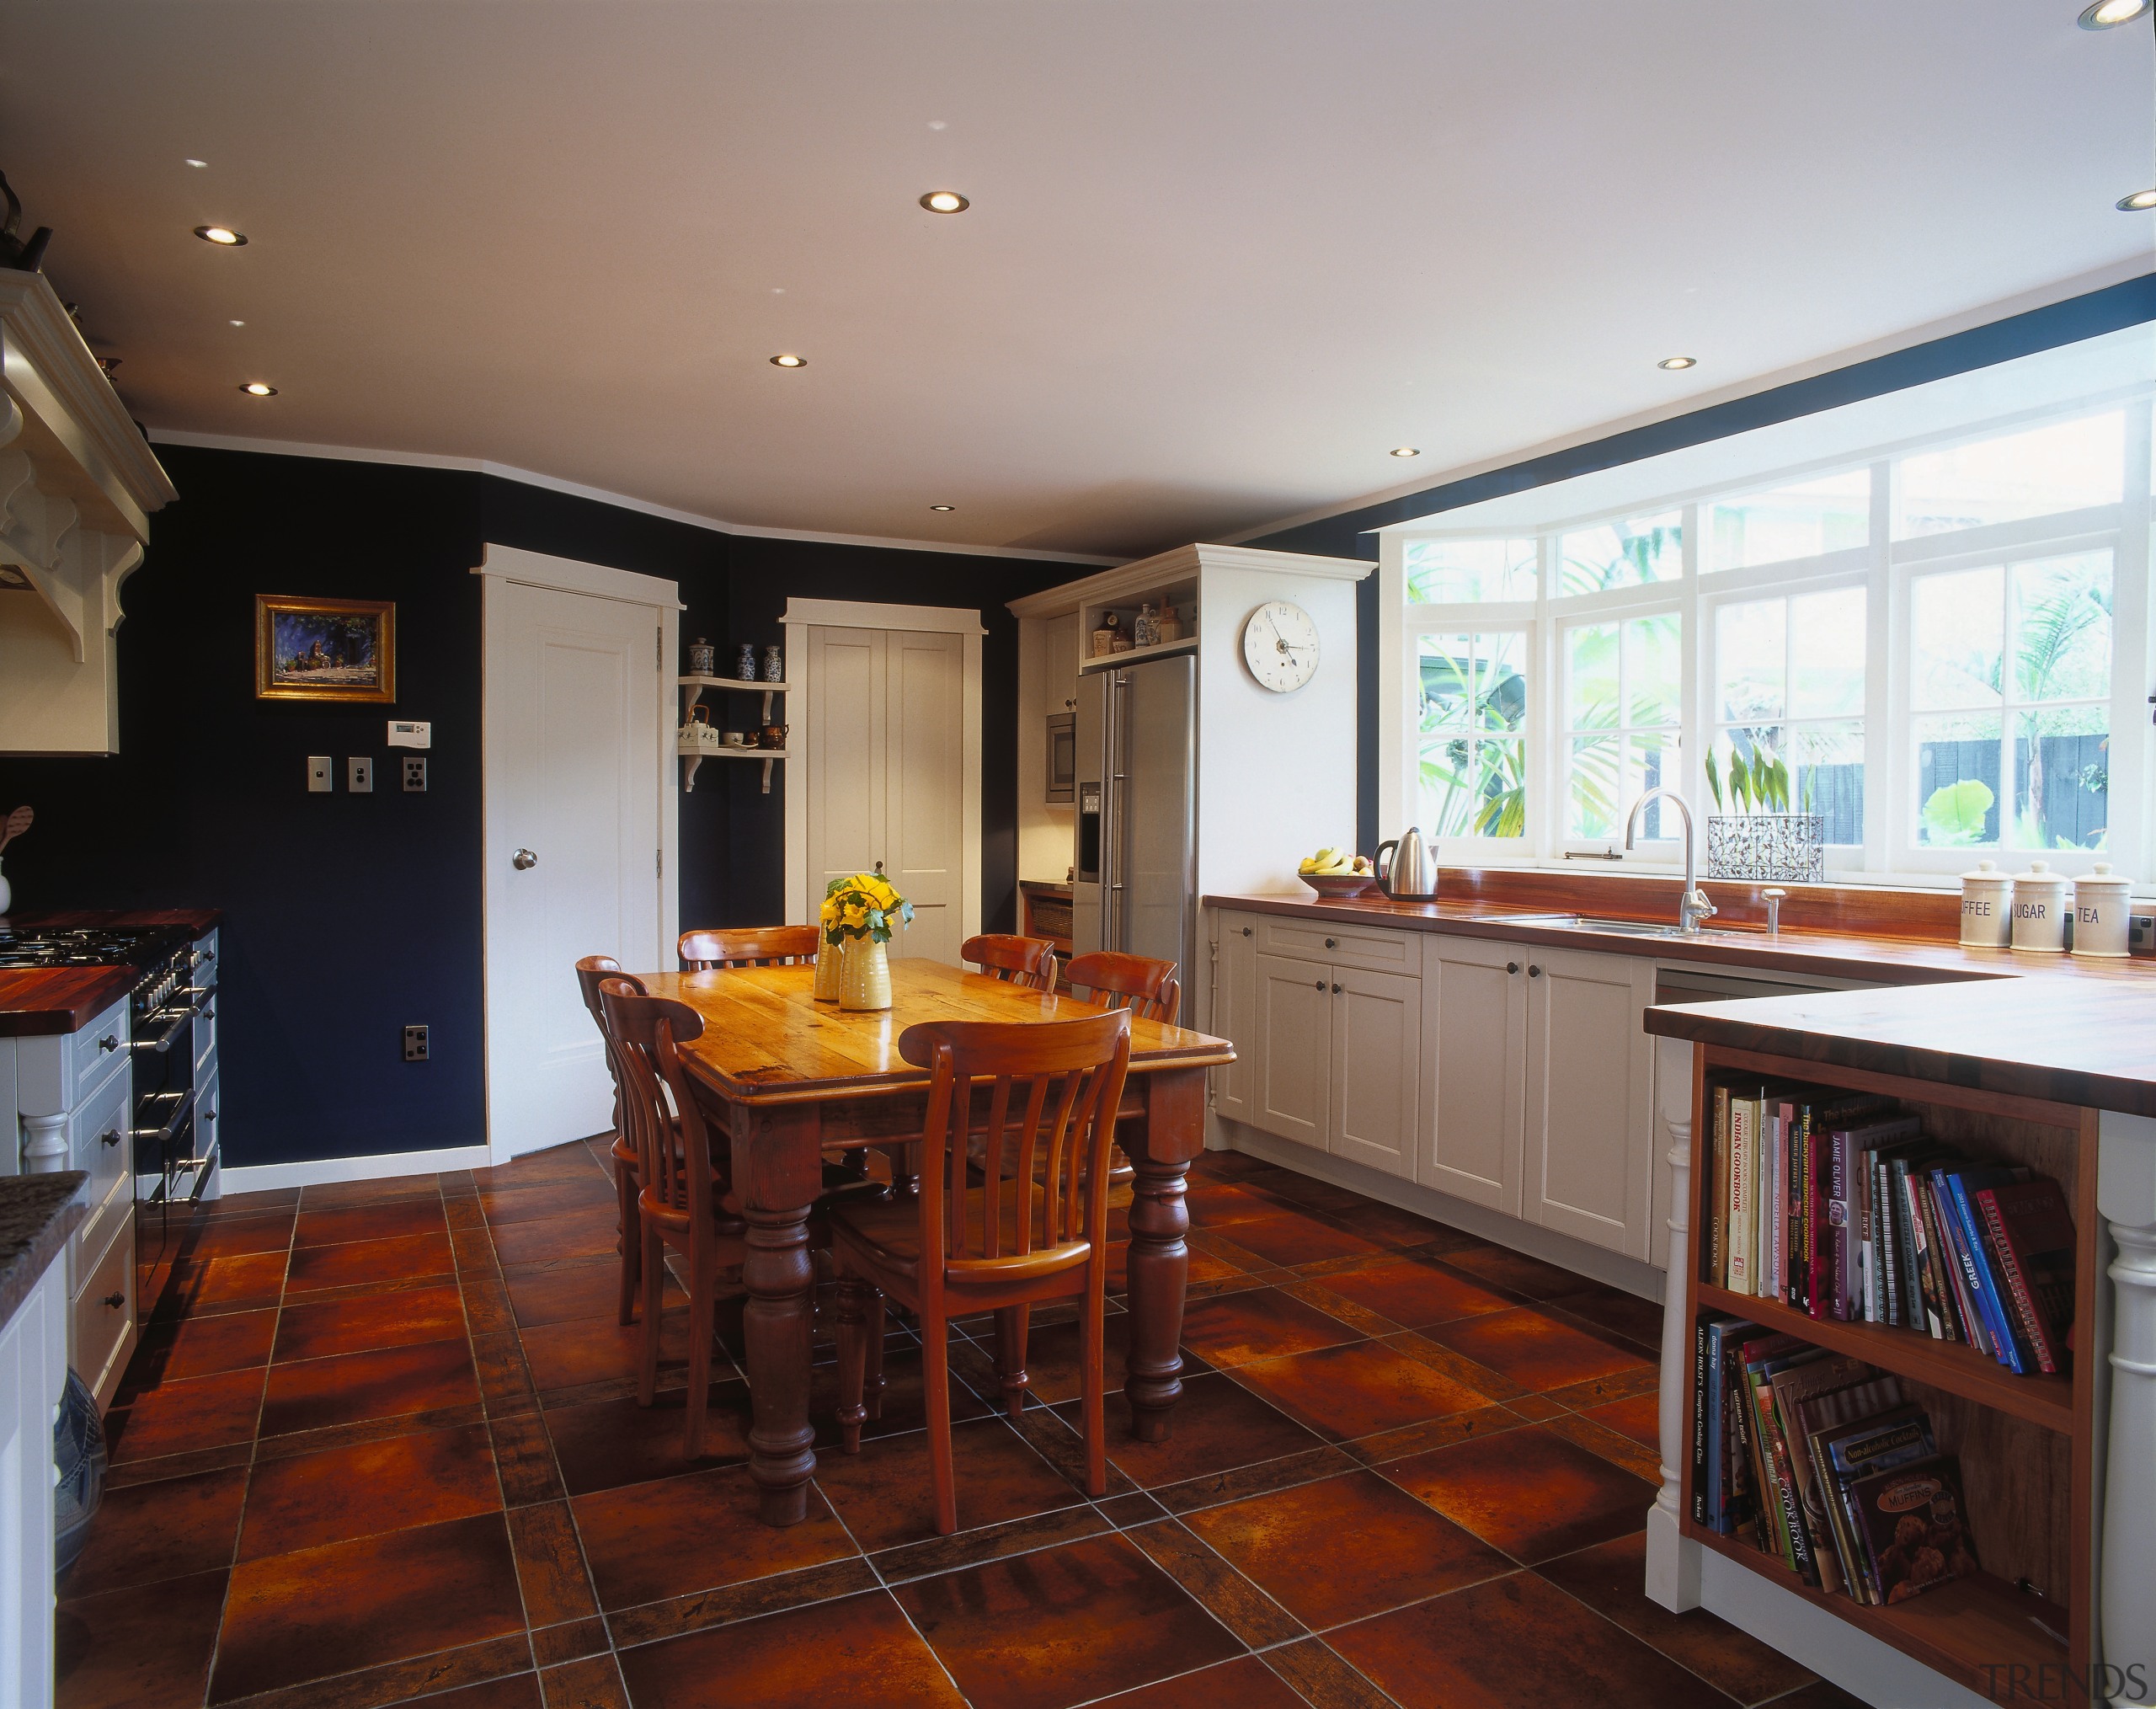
94,946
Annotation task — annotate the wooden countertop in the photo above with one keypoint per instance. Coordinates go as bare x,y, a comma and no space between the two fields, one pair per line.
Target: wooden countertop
37,1001
2054,1027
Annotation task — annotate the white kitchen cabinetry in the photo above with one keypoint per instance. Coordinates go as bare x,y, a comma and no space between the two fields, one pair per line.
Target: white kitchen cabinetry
1590,1093
1377,1030
1475,1031
1235,999
1293,1063
33,1374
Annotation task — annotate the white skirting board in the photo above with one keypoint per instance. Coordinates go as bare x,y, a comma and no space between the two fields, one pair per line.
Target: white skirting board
321,1172
1552,1247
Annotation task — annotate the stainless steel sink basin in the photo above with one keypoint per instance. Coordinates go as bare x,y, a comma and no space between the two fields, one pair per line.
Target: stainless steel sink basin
1590,923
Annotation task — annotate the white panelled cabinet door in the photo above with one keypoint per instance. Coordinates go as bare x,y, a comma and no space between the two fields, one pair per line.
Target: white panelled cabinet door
1294,1026
1377,1039
1232,1015
1474,1028
1590,1093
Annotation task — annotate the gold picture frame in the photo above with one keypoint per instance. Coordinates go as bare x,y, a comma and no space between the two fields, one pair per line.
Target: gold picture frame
325,650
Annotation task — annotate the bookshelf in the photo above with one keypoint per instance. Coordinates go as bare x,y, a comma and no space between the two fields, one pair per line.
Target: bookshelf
2027,1445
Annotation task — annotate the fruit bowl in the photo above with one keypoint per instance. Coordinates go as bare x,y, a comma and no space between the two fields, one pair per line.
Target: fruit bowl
1338,887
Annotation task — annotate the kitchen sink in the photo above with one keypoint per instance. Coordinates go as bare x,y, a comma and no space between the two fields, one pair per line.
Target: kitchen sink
1591,922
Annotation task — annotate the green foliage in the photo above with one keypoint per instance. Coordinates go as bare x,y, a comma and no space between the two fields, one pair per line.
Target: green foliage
1713,780
1955,814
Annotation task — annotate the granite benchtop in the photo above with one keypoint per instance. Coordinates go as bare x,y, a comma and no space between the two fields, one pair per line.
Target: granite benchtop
37,1214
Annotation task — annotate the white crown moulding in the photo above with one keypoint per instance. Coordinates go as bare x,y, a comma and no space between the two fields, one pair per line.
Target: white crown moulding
78,483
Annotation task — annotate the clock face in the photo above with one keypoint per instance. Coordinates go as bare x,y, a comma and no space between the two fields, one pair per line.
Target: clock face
1280,646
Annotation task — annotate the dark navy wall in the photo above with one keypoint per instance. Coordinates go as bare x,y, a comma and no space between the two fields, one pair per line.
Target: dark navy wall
349,915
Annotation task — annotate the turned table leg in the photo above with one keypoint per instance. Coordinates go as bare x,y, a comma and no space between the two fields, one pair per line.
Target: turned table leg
777,1170
1159,1260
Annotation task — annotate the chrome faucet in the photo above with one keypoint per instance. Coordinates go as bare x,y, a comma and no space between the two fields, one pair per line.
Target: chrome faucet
1693,907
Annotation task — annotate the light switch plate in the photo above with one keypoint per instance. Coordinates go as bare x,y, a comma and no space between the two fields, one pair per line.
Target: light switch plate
317,774
415,774
359,774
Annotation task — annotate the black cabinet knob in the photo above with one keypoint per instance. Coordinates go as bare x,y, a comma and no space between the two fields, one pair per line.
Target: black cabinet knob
1512,967
1321,985
1332,943
1246,930
1335,990
109,1042
115,1300
110,1136
1534,972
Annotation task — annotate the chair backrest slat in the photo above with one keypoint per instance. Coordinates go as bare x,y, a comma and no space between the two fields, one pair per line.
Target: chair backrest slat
1145,985
591,973
1023,961
746,946
656,1101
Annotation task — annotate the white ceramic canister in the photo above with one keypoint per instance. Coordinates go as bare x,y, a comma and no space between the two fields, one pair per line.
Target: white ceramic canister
2040,909
1987,907
2103,912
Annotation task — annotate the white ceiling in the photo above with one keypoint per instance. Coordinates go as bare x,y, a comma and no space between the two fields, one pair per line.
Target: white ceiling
1221,257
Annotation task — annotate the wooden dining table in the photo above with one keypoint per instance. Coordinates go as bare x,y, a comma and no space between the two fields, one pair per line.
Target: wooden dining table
787,1077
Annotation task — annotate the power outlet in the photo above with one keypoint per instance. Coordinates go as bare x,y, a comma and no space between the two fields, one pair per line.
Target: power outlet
415,1044
415,774
359,774
2141,934
317,774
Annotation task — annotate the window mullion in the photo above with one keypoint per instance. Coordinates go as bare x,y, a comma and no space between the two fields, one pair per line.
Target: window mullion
1887,759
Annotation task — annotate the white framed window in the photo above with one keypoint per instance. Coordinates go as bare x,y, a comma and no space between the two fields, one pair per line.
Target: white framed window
1941,641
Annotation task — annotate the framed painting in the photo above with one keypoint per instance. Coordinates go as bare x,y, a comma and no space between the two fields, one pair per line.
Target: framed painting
324,649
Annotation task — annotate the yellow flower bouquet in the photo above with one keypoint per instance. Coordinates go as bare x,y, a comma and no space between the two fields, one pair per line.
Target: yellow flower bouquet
864,906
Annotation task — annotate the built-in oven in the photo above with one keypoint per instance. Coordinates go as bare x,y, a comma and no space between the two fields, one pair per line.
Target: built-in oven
1062,758
175,1150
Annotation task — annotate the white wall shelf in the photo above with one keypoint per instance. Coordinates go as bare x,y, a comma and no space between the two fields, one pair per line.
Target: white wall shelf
693,689
1137,656
694,753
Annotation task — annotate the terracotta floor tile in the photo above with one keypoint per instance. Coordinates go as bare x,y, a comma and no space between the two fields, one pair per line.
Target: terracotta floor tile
226,1284
1638,1418
1218,1425
603,1445
340,1493
905,1398
1527,1492
860,1653
1346,1547
580,1290
1306,1190
232,1236
884,1494
355,1604
191,1413
273,1199
1502,1266
1052,1355
1615,1311
394,1220
516,1691
1388,1225
576,1234
1063,1625
124,1648
201,1346
1515,1643
342,1195
670,1536
589,1349
166,1530
1222,1204
564,1162
383,1383
403,1318
525,1203
1344,1392
354,1262
1295,1239
1608,1579
1232,1329
1246,1683
1414,1294
595,1682
1535,1351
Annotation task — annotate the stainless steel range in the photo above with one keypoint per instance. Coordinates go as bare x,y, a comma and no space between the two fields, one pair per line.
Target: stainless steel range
175,1155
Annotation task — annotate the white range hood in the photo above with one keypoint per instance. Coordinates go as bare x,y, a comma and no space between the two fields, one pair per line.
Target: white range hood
76,485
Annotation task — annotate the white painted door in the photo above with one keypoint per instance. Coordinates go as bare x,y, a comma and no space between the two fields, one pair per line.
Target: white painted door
575,752
1474,1011
1590,1091
1294,1026
1377,1039
1235,999
884,773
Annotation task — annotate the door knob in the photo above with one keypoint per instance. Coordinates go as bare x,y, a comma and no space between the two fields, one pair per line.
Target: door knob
524,860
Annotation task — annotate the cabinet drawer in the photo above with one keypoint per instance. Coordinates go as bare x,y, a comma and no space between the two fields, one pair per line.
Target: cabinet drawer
99,1049
1340,946
97,1137
100,1330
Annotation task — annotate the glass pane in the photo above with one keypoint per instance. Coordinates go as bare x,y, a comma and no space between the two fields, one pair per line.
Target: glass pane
1648,764
1472,774
2062,778
1957,622
1654,668
1592,782
1472,681
1740,776
2063,466
1621,554
1751,652
1957,780
2062,627
1827,641
1472,787
1826,762
1448,572
1830,513
1590,676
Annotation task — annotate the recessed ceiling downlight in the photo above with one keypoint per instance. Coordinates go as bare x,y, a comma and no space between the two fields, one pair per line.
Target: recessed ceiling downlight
942,507
259,388
789,362
2138,202
945,201
223,236
192,161
2109,14
1677,362
1405,451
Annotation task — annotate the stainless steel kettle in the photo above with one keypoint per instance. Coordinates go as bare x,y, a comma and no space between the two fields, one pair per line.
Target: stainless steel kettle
1411,875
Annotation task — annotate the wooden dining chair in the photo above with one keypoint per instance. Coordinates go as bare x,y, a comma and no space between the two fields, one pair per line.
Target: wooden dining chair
628,1181
746,946
1030,1234
1022,961
678,1203
1145,986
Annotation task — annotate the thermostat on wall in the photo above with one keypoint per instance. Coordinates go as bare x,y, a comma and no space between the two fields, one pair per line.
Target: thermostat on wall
405,734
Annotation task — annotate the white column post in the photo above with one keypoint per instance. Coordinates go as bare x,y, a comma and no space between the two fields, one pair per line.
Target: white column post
2126,1195
1673,1560
45,1144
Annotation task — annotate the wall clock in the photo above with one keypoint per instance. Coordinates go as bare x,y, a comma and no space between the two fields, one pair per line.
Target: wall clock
1280,646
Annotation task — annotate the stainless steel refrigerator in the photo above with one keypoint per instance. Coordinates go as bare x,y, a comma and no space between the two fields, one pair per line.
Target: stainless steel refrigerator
1136,873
